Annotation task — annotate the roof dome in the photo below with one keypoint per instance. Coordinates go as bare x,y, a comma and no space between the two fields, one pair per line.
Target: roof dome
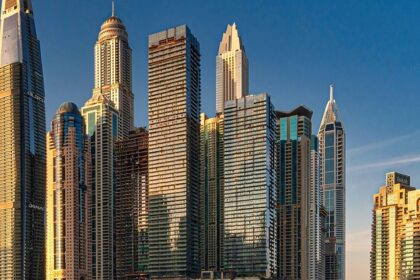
112,27
68,107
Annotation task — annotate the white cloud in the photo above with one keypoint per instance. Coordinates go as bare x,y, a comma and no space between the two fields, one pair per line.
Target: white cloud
387,163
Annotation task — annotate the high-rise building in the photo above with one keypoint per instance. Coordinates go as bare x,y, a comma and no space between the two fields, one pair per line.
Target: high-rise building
232,80
396,230
174,153
68,197
294,140
22,145
211,194
101,120
113,74
250,189
316,228
332,151
131,205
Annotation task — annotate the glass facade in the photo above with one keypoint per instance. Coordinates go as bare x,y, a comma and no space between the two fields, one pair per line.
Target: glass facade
332,139
174,153
22,145
250,191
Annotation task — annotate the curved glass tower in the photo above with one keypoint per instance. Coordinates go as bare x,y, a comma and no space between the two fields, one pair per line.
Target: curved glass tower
332,152
22,145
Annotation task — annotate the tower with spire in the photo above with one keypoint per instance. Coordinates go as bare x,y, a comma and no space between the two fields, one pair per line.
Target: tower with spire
231,69
332,153
22,145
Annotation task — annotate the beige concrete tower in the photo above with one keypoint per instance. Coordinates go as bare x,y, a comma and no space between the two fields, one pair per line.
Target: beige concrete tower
231,69
68,197
113,73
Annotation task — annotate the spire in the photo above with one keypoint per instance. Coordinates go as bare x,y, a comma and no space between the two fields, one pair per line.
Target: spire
331,92
231,41
113,8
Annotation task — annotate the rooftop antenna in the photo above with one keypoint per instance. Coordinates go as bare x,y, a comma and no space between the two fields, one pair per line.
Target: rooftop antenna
113,8
331,92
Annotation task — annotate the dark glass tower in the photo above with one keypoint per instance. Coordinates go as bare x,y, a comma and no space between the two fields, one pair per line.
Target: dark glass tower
22,145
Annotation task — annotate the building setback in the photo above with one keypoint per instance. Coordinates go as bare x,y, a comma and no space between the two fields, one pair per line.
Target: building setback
211,193
101,120
332,152
250,190
232,80
174,154
131,205
68,197
396,230
22,145
294,140
113,70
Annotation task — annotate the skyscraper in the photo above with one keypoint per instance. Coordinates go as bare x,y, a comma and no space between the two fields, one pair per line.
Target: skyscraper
101,119
113,74
294,140
232,80
211,193
332,145
22,145
68,197
396,230
250,189
131,205
174,153
316,228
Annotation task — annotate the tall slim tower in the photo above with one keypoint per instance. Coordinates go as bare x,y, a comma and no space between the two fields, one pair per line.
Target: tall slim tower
231,69
101,119
211,193
113,74
174,153
68,197
22,145
295,216
332,151
250,187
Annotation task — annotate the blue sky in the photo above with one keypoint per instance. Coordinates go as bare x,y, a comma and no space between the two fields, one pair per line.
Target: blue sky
368,49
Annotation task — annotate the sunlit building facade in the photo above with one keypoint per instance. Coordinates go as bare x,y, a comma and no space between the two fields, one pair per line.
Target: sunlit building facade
68,197
232,81
396,230
211,193
295,190
174,154
101,119
250,189
332,151
131,205
113,70
22,145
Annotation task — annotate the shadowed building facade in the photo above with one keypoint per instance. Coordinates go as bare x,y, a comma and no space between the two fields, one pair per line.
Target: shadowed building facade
395,250
332,152
250,187
174,154
22,145
131,205
295,247
68,197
